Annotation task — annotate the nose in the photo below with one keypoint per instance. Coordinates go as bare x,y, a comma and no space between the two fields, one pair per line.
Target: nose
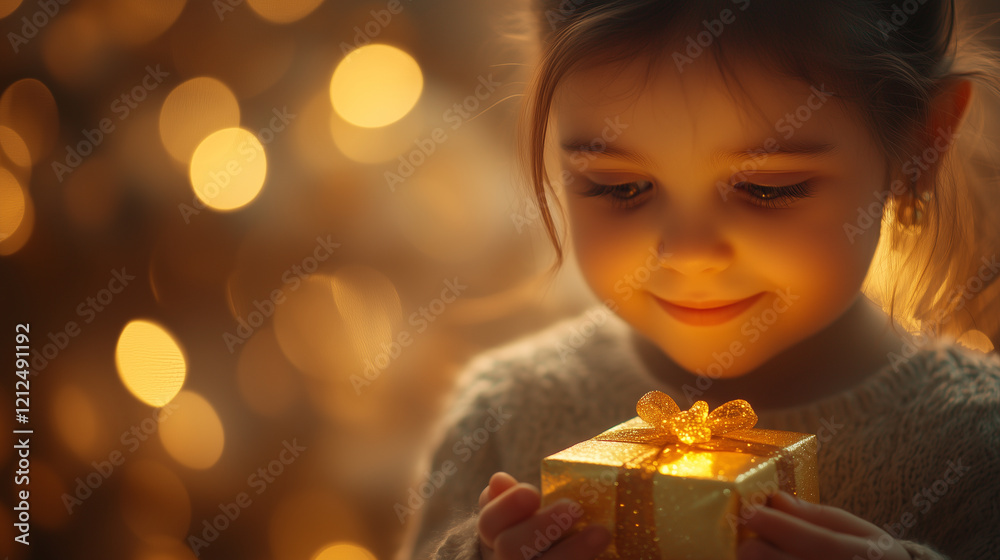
695,252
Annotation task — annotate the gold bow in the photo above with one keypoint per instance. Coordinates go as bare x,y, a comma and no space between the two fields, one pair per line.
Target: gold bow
697,424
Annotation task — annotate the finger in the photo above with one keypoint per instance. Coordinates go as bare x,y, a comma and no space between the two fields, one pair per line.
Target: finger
756,549
513,506
484,497
500,482
588,543
832,518
539,532
799,537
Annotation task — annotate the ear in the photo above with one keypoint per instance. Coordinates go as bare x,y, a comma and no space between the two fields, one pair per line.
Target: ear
947,110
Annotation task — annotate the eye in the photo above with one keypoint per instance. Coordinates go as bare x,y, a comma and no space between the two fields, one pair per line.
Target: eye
623,195
775,197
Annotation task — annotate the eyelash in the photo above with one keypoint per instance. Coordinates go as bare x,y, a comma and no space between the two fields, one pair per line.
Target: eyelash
784,194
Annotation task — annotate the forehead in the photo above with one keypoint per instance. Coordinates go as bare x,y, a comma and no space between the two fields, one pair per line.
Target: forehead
691,107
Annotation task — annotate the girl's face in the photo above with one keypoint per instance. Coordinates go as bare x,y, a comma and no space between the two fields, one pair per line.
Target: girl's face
695,222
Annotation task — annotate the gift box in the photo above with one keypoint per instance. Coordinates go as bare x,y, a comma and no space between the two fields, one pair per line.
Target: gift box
672,484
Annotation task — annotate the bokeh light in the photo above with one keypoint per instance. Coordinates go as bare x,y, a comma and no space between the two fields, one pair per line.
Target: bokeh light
283,11
8,6
14,147
150,362
12,204
376,85
27,107
74,48
228,169
344,551
266,381
76,420
136,23
193,434
370,307
192,111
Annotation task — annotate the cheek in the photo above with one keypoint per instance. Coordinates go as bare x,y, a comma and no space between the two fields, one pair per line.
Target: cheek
606,246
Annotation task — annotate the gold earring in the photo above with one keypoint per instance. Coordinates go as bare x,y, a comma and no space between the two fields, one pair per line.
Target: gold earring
912,206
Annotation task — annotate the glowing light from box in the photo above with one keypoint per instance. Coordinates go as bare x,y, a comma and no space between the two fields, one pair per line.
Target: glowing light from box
376,85
690,464
283,11
228,169
194,110
192,433
150,362
28,107
975,339
369,304
344,551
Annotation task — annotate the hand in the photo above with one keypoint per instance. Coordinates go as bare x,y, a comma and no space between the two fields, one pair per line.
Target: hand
791,528
512,527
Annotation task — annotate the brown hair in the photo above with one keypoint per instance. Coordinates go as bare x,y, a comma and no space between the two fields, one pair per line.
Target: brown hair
887,59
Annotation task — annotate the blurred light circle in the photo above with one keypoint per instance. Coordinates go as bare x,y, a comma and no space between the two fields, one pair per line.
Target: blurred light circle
283,11
193,434
376,85
370,307
309,329
8,6
136,23
12,204
17,214
194,110
228,169
14,147
76,421
976,339
155,504
305,520
73,47
150,362
344,551
27,106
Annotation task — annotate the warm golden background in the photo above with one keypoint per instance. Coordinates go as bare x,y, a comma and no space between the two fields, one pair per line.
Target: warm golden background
113,113
198,219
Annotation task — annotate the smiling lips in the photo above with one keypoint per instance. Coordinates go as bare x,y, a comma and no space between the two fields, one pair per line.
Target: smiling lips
708,313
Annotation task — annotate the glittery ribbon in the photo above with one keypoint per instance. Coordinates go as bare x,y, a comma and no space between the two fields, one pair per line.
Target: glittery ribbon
674,433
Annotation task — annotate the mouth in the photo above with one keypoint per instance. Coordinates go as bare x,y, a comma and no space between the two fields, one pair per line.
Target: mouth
708,313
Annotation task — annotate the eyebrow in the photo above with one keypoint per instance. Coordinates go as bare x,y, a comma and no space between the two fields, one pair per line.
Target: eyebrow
789,148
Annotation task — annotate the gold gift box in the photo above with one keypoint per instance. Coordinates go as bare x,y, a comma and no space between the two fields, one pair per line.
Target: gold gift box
680,485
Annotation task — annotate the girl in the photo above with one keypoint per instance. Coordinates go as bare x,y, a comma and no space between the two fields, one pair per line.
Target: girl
775,200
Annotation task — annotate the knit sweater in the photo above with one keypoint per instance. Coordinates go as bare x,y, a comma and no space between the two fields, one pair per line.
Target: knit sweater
913,448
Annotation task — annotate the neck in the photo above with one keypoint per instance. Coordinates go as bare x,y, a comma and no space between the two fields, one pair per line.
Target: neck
838,357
